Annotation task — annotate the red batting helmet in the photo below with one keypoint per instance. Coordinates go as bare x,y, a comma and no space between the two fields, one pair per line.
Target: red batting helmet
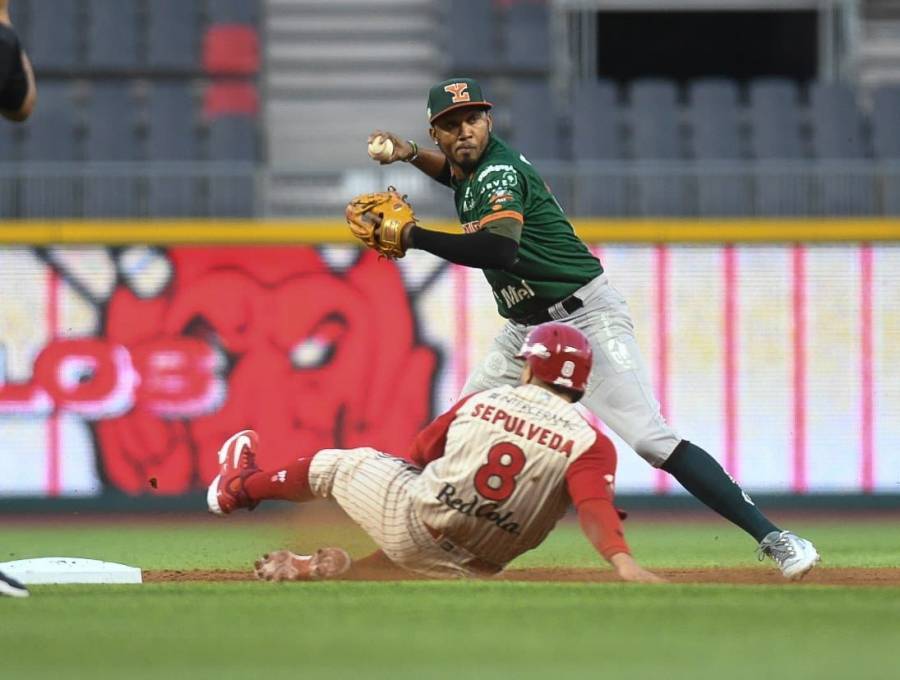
558,354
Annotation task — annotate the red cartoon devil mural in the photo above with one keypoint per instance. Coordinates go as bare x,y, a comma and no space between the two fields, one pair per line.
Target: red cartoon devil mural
262,338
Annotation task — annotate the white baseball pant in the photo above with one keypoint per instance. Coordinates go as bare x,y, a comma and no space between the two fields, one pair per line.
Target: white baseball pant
619,390
373,488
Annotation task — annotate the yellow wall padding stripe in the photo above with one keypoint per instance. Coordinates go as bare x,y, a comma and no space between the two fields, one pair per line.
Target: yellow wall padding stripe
263,232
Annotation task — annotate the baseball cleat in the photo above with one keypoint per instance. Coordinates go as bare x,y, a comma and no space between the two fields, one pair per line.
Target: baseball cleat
9,586
283,565
795,556
237,459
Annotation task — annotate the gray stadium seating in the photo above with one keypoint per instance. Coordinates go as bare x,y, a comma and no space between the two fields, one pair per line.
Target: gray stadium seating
50,132
655,134
596,136
232,138
775,119
654,114
112,34
49,137
232,11
886,122
51,38
173,34
527,36
837,134
171,136
472,36
111,136
716,134
534,130
8,180
713,93
886,143
836,122
775,138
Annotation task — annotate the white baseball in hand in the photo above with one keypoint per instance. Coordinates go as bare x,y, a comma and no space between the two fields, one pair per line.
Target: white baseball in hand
381,149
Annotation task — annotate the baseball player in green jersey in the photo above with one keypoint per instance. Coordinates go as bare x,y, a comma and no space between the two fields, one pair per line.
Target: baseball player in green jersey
539,270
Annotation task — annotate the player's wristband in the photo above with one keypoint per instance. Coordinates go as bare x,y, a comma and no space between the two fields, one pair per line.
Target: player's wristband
415,153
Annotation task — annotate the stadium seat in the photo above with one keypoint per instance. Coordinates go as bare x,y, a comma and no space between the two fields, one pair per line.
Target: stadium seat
50,136
172,136
716,136
8,177
232,11
231,49
471,35
713,93
230,98
775,120
886,122
836,122
232,141
886,143
596,137
526,31
50,132
655,134
535,132
51,38
595,121
837,134
171,123
173,34
111,136
112,34
654,117
775,137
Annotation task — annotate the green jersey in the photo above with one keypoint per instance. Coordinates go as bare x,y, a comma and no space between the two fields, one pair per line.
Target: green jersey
552,261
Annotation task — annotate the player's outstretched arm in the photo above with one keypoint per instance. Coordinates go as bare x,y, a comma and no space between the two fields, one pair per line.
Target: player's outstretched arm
629,570
18,92
600,523
590,482
432,163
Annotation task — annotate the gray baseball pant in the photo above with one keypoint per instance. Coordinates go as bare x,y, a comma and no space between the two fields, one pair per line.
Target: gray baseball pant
619,390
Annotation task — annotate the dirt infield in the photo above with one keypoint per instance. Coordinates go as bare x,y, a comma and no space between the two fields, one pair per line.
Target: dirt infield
744,576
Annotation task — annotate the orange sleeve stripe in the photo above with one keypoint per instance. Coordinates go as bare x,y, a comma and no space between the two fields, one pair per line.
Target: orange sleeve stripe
487,219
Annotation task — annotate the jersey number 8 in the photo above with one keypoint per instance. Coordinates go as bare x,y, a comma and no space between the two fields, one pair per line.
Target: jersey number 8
496,479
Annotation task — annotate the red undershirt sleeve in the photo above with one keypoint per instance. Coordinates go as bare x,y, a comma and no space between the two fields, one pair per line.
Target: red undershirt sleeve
590,484
429,444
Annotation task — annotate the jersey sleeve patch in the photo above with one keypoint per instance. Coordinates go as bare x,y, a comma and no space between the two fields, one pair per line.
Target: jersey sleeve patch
498,190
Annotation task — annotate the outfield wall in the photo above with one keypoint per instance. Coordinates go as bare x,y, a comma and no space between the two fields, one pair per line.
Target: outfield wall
124,363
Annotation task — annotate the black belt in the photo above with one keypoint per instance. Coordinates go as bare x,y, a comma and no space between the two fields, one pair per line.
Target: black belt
554,313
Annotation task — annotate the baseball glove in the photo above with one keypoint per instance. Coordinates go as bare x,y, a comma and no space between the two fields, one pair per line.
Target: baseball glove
363,213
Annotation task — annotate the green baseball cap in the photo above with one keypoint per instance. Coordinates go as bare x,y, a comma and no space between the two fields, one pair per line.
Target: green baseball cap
454,93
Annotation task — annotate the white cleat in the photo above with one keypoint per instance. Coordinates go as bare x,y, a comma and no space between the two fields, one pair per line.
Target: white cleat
237,461
283,565
795,556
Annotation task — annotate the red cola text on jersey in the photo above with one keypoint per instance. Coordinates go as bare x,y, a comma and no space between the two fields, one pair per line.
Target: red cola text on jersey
477,507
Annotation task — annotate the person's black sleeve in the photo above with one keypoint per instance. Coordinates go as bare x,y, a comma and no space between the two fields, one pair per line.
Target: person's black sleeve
482,249
13,81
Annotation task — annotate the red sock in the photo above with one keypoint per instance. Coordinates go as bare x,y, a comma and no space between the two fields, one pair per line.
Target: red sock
290,483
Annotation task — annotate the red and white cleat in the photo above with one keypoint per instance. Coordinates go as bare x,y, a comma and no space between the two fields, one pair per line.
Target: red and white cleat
283,565
238,460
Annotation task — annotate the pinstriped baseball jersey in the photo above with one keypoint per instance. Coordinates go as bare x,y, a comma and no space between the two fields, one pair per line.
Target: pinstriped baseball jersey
498,486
